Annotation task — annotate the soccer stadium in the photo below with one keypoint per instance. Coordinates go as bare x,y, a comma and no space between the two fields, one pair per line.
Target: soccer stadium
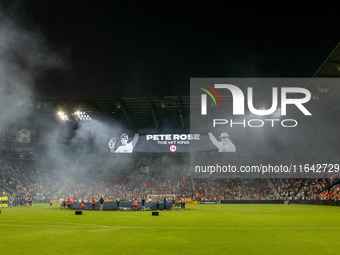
237,166
50,174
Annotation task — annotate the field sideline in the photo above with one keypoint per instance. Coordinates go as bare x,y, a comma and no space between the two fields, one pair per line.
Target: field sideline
200,229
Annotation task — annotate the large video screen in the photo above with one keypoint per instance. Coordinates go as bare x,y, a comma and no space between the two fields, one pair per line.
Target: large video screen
160,143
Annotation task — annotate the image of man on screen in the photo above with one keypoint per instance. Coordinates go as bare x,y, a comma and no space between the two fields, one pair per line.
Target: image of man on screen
225,145
125,147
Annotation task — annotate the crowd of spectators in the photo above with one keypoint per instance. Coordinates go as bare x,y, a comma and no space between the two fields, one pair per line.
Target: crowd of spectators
312,187
215,189
18,175
288,187
330,194
13,153
158,177
258,189
153,175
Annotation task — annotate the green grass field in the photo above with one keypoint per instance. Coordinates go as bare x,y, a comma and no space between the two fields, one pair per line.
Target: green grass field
200,229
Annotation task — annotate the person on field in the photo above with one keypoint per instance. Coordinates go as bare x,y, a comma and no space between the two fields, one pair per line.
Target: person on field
30,202
61,203
117,202
69,203
157,203
101,203
165,202
93,203
143,203
135,204
173,203
11,199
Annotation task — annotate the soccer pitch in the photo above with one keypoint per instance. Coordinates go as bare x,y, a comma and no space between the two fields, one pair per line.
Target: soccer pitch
200,229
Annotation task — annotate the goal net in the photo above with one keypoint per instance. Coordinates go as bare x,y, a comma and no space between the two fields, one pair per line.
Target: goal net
160,197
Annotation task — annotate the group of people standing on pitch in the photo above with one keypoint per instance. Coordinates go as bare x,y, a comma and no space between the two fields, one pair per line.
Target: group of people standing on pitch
15,201
135,204
64,202
174,203
101,204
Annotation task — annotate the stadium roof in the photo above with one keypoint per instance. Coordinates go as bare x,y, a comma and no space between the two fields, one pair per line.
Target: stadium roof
327,91
330,68
158,113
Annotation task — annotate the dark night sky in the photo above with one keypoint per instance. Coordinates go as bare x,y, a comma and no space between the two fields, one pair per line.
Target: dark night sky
134,48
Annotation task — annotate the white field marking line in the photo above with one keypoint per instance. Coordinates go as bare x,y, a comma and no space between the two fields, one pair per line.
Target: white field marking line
65,223
45,226
175,228
8,225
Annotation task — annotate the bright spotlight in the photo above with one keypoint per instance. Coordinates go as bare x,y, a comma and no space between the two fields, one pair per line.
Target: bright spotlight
81,116
62,115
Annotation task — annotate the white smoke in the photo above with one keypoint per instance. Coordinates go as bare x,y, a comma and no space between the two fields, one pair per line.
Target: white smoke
24,55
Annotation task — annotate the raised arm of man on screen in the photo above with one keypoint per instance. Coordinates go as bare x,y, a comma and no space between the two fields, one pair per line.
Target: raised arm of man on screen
125,147
225,145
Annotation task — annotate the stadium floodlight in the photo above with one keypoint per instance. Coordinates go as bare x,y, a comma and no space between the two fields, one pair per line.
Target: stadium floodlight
81,116
62,115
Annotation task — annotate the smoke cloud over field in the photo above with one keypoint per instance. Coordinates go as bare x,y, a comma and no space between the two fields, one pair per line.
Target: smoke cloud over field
24,55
